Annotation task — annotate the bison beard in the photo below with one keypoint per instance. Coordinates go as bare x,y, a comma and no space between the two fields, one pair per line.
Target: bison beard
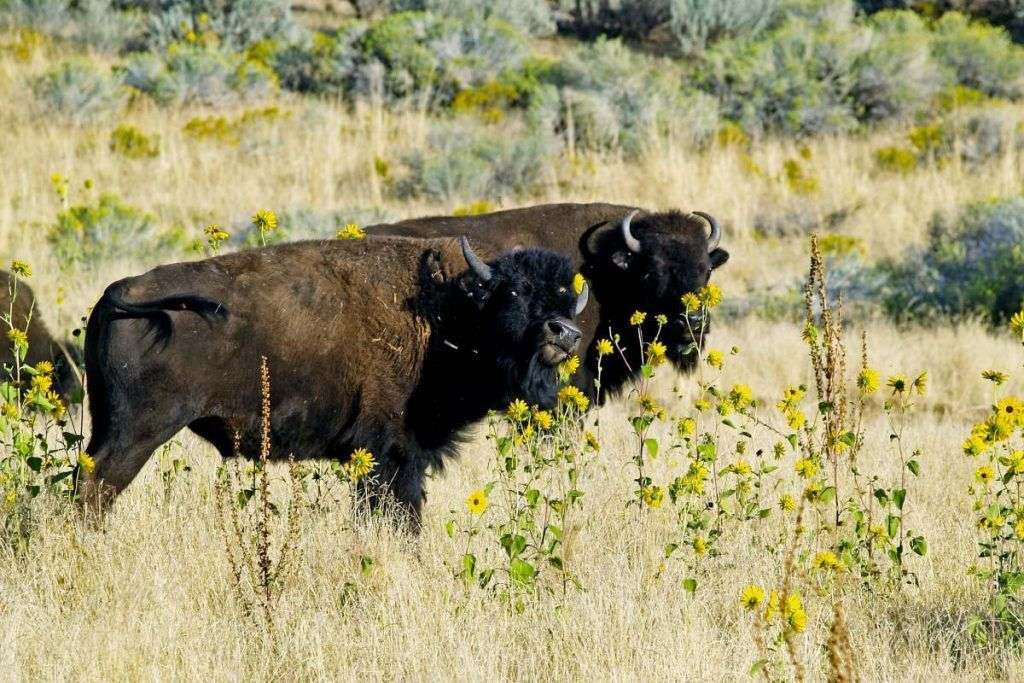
387,344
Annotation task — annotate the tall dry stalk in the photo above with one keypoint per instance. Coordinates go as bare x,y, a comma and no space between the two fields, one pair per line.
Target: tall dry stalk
259,573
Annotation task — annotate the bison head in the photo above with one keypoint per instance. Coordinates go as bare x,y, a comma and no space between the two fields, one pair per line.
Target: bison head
646,262
524,308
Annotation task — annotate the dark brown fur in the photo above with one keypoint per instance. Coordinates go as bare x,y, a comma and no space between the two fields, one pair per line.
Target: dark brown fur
42,345
387,344
675,260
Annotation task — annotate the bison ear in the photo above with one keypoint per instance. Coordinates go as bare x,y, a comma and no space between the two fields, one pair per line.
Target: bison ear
718,257
474,288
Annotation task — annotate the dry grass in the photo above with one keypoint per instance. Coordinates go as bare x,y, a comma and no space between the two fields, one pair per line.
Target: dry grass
149,597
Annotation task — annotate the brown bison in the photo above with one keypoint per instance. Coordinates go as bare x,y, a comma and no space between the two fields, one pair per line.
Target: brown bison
388,344
635,260
19,302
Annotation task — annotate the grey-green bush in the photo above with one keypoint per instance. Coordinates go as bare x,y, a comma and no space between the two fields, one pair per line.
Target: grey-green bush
980,56
697,23
237,24
197,74
78,92
465,165
532,17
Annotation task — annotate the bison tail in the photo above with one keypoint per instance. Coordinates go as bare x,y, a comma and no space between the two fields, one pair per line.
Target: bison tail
157,311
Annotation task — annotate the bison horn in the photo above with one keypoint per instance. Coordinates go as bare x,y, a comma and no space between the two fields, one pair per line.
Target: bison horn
631,242
581,300
475,262
716,230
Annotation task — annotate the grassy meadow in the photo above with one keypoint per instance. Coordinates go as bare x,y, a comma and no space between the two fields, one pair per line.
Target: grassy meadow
148,594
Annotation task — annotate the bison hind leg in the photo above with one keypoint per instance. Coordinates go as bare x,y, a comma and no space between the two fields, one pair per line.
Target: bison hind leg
215,430
396,489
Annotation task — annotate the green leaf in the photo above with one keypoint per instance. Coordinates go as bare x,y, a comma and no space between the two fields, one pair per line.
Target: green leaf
514,544
652,447
792,439
827,494
915,467
892,523
690,585
919,545
899,496
532,496
450,528
647,371
758,665
485,577
468,565
848,438
366,565
555,562
521,571
35,463
670,548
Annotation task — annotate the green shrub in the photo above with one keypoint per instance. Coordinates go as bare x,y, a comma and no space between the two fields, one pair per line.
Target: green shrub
100,24
78,92
131,142
969,266
234,25
895,159
199,74
613,98
532,17
462,164
698,23
88,234
894,75
980,56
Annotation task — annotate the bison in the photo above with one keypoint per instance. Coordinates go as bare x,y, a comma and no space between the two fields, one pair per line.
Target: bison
635,260
388,344
19,302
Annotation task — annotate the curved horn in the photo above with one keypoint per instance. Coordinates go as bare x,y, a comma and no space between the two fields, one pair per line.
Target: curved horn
581,300
632,243
716,230
475,262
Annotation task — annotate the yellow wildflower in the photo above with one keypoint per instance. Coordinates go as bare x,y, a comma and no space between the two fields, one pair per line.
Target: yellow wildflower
18,338
995,376
653,496
826,559
771,610
351,232
661,319
637,318
741,396
700,546
985,474
476,503
790,398
1017,323
686,427
517,409
578,281
604,347
569,366
21,268
265,220
592,441
1011,407
359,464
542,419
752,597
44,367
898,383
86,462
795,419
868,381
1018,529
60,185
215,235
715,358
690,302
701,405
10,410
920,384
974,445
656,353
1015,462
573,396
710,295
741,467
42,383
787,503
794,614
806,468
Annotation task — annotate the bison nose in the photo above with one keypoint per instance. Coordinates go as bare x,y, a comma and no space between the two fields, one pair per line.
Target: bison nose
562,332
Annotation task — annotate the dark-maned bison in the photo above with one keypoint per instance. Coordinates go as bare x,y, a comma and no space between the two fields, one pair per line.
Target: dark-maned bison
389,344
42,346
634,259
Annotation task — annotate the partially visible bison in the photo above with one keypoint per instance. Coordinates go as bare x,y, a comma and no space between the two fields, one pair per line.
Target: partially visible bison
390,344
635,260
18,301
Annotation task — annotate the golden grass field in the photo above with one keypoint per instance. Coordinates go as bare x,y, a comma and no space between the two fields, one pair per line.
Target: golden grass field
148,596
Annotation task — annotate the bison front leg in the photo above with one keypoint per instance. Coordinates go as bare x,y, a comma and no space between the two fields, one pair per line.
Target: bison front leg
396,489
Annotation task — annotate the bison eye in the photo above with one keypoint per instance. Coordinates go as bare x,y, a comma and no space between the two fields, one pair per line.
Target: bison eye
513,292
562,290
